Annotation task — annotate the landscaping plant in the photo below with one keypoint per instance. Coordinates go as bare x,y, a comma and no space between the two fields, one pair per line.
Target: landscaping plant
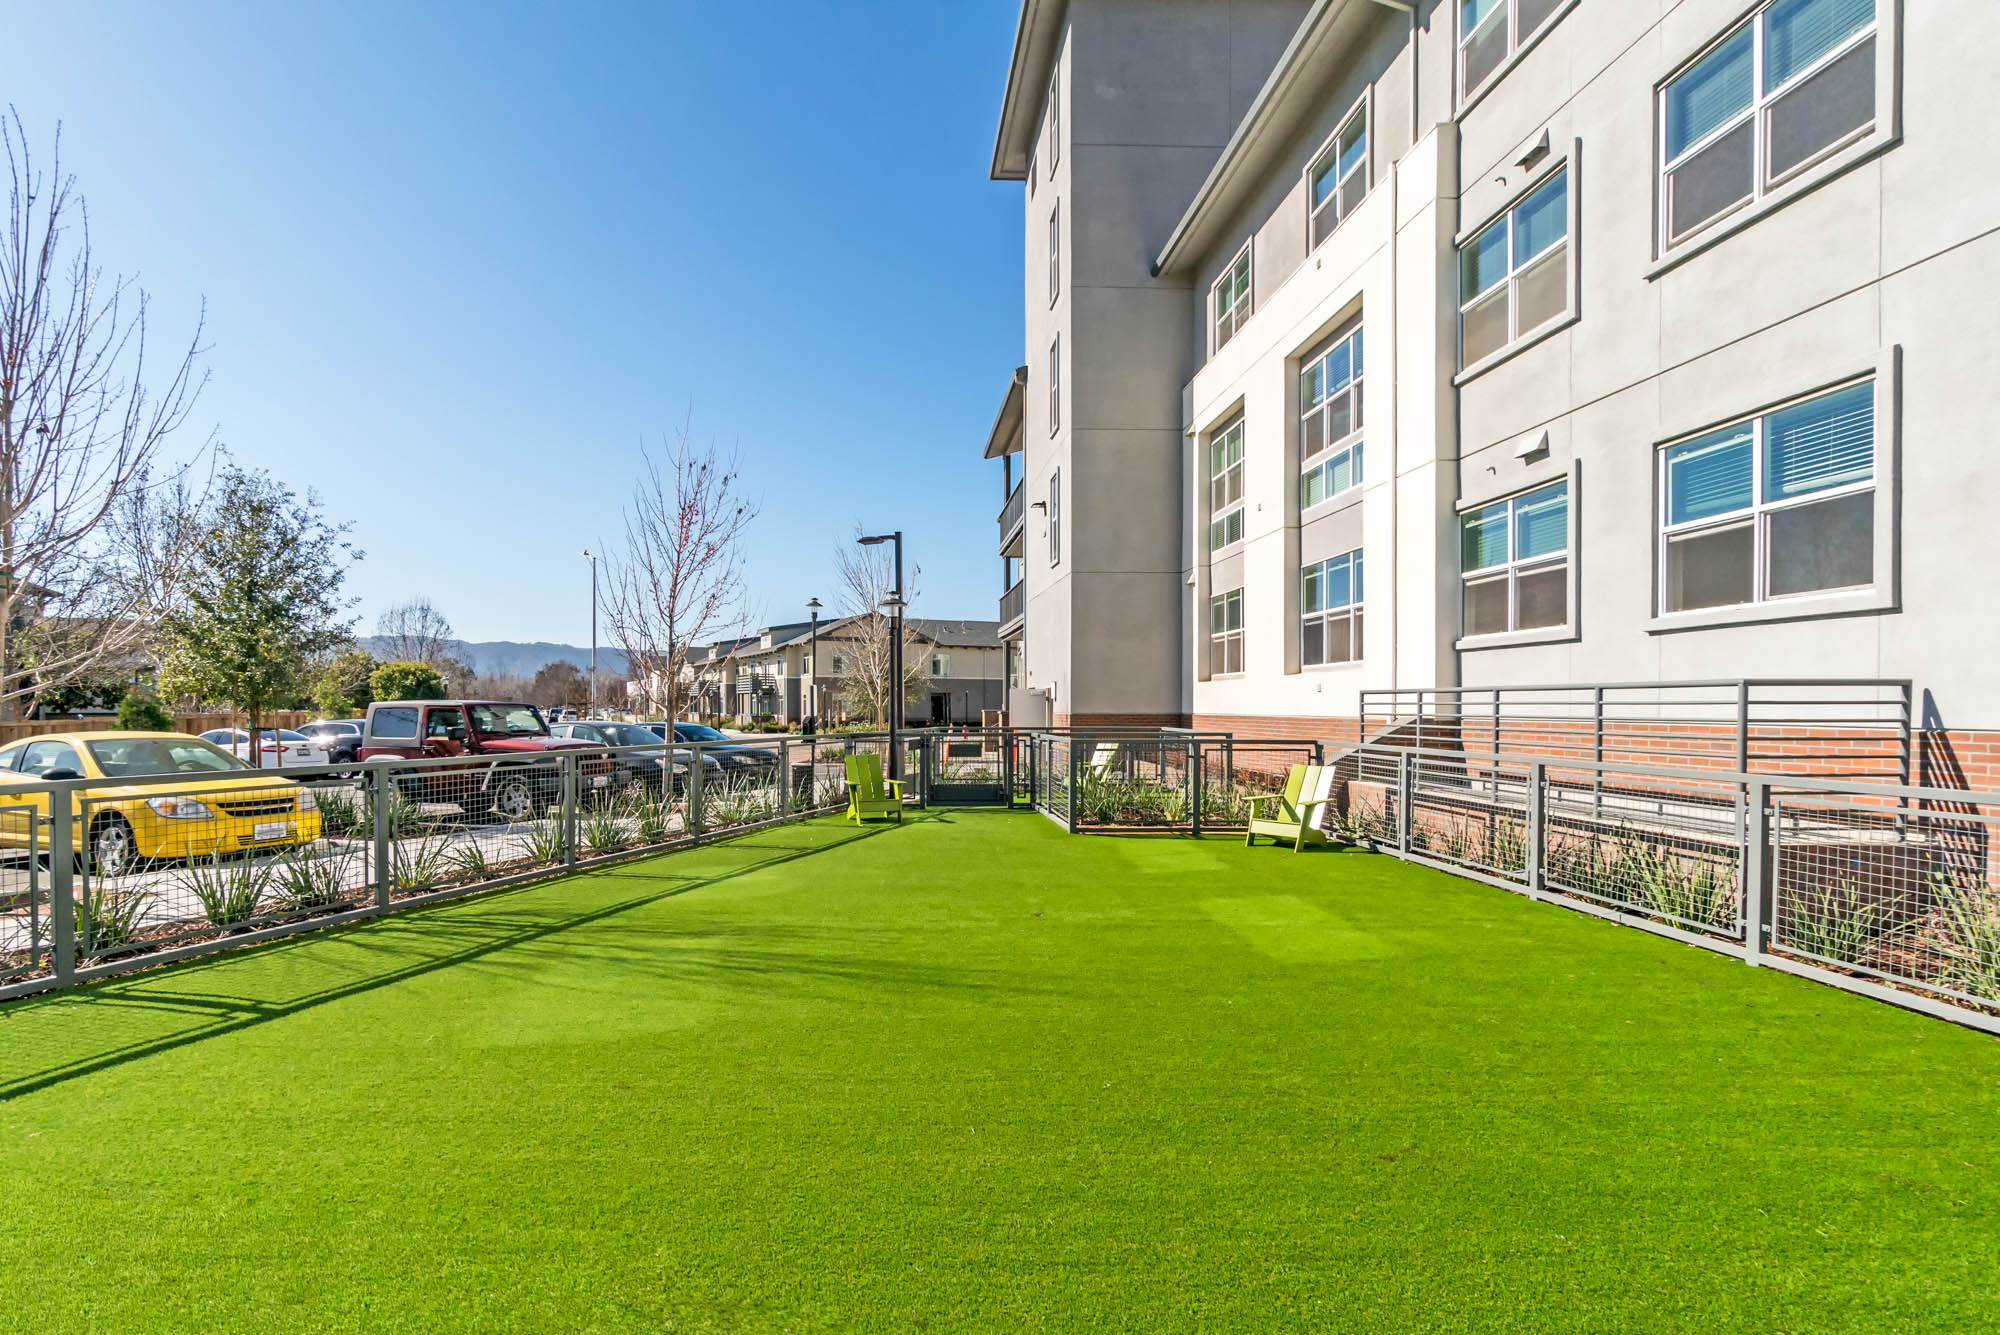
230,889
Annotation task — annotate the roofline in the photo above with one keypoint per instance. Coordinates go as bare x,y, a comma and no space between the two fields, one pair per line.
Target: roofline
1286,78
1027,75
1007,422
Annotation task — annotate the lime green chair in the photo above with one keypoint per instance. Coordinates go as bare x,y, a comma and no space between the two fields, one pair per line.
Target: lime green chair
869,795
1294,813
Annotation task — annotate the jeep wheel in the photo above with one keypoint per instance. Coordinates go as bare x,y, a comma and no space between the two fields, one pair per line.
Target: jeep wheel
513,798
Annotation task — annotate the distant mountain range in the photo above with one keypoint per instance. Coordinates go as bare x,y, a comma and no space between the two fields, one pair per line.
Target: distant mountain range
512,658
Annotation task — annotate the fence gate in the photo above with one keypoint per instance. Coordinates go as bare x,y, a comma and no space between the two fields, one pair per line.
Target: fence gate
966,769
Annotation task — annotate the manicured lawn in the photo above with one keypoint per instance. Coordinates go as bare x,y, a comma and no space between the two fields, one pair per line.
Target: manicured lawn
973,1074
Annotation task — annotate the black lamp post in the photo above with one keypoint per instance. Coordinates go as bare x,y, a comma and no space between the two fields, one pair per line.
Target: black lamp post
812,667
894,605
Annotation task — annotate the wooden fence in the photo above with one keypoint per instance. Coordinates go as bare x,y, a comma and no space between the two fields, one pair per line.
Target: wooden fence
188,723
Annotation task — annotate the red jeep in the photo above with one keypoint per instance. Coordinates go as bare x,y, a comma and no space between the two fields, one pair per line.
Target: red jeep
422,729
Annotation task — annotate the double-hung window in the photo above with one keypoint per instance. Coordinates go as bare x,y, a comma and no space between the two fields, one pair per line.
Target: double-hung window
1514,559
1491,30
1231,297
1055,518
1225,633
1331,603
1773,507
1225,486
1793,83
1330,423
1339,176
940,665
1514,275
1055,385
1055,252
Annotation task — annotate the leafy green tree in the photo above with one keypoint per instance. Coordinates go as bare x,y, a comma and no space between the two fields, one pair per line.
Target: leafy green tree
401,680
142,713
344,683
261,598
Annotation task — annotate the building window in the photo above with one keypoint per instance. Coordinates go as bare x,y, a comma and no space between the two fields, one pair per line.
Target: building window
840,665
1515,562
1225,633
1055,518
1225,486
1790,85
1013,654
1773,507
1055,251
1231,297
1338,178
1055,121
940,665
1491,30
1514,275
1331,599
1055,385
1032,171
1330,425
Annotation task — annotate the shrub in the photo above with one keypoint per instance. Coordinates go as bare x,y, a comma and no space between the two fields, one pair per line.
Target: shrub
230,890
139,713
306,883
109,919
402,680
1835,922
1971,919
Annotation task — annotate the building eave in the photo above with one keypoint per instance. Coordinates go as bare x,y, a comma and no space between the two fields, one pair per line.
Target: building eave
1294,85
1036,35
1005,437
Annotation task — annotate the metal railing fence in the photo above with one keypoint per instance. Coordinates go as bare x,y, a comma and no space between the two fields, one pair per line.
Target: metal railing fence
1152,780
1890,890
1827,727
108,874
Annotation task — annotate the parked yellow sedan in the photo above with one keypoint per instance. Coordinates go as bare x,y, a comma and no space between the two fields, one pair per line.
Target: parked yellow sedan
223,807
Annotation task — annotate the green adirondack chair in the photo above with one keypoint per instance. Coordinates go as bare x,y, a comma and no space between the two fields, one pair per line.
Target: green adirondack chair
1293,814
869,795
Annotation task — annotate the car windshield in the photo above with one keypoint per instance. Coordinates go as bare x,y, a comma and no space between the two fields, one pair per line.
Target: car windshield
628,734
699,732
122,756
507,721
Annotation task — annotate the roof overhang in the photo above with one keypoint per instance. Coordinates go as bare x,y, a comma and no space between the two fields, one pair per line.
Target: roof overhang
1037,34
1309,66
1005,437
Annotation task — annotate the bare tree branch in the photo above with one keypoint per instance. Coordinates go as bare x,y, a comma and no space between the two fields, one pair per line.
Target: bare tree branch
867,576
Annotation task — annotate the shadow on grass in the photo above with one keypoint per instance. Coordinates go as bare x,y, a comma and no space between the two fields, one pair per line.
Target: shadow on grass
342,962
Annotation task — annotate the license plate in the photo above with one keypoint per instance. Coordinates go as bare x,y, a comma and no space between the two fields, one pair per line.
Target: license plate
600,780
274,829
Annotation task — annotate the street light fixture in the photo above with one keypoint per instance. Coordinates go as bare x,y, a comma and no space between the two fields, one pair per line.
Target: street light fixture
812,667
592,710
894,605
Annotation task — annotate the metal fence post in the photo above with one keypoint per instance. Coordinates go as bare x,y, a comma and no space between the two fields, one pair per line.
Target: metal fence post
784,777
382,792
1597,751
1404,788
924,773
694,784
1757,867
62,887
1537,820
1069,793
1194,786
569,803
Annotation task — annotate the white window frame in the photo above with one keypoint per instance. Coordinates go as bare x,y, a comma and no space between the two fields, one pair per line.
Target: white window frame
1237,312
1349,611
1514,567
1228,634
1055,384
1364,169
1055,252
940,665
1055,119
1518,44
1055,518
1880,483
1218,525
1768,192
1349,445
1520,340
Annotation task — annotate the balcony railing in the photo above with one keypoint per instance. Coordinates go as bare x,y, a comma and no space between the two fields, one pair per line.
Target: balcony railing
1013,603
1012,513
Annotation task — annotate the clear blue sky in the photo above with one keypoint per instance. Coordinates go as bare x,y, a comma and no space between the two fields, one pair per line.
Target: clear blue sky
460,261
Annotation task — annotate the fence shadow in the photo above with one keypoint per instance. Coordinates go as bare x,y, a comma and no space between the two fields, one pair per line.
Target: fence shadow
222,994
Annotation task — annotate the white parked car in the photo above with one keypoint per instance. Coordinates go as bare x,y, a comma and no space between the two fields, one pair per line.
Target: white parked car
280,747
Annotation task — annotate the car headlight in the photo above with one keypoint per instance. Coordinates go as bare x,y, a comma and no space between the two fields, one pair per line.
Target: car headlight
179,808
307,802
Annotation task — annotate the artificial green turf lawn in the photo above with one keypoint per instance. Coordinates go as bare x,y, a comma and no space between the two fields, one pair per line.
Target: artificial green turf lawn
973,1074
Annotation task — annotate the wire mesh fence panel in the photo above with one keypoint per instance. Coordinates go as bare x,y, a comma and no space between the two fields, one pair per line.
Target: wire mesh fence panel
1052,776
966,768
1131,782
1232,771
1474,817
1673,854
24,892
1906,896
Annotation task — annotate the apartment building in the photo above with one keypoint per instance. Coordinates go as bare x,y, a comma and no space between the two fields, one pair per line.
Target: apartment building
788,671
1498,341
